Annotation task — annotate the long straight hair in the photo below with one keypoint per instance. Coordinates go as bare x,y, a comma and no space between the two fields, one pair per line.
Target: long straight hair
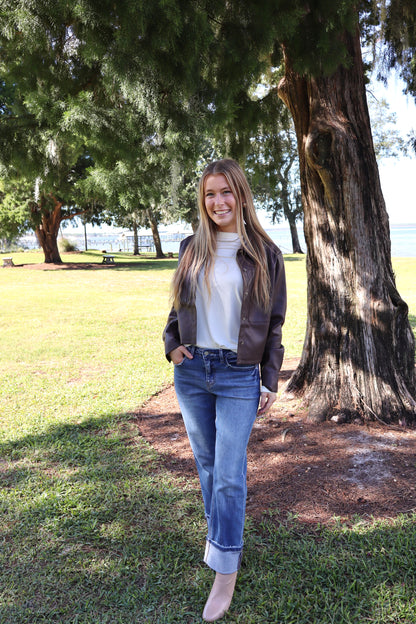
201,250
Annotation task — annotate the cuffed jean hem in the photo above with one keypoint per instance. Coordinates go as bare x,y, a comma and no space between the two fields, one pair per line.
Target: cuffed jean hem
224,562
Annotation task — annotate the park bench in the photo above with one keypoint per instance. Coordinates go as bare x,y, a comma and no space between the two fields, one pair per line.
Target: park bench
108,259
8,262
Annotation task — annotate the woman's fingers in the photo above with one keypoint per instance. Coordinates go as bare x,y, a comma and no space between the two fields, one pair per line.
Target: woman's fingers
177,355
266,401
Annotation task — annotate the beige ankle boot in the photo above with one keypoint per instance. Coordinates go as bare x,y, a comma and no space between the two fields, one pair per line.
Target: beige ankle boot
220,597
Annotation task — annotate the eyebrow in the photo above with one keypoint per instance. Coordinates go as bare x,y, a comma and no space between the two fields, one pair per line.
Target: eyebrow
207,190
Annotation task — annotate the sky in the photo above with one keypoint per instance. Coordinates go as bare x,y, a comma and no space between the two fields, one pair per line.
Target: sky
397,175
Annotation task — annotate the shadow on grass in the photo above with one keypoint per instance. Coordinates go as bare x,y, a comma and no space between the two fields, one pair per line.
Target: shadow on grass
95,530
142,261
120,265
352,574
294,258
149,265
127,262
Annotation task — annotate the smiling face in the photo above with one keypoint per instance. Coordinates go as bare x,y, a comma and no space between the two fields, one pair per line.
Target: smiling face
220,203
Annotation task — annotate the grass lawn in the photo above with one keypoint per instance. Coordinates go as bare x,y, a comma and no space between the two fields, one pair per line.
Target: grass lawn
93,529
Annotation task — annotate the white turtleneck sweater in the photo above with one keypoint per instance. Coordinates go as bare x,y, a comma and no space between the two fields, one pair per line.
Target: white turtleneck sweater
219,311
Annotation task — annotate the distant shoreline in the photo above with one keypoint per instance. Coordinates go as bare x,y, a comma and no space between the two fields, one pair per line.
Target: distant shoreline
402,236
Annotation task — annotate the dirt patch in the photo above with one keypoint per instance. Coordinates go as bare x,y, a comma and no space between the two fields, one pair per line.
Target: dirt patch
316,471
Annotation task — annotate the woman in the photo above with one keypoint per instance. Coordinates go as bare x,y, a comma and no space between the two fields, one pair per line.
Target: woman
229,304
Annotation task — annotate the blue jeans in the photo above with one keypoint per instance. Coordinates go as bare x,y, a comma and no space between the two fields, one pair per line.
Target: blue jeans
219,402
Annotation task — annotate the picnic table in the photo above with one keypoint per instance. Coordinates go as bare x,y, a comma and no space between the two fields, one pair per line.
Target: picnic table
8,262
108,259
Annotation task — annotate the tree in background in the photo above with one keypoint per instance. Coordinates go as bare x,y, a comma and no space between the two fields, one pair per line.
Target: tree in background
75,88
27,206
44,81
388,141
13,215
137,187
68,95
274,168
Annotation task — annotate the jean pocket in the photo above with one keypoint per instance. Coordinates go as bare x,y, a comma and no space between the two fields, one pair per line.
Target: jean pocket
181,363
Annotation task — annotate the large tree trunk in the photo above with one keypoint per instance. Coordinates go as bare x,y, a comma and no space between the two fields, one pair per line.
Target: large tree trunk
47,231
358,355
155,234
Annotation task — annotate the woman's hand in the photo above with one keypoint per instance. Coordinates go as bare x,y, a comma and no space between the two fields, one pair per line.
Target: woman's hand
177,355
266,401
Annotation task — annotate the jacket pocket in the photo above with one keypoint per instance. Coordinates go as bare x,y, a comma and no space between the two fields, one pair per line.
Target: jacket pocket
231,362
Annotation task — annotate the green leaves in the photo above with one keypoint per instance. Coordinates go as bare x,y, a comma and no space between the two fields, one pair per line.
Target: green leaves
15,215
144,83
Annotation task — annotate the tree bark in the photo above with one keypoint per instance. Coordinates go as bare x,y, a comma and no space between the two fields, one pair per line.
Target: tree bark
155,234
294,234
358,354
195,224
85,236
136,251
48,229
288,211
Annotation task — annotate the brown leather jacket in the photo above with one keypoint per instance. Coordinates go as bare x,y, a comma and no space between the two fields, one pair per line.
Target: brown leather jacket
260,335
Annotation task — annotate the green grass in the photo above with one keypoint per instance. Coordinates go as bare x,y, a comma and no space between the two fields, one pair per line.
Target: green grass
93,528
77,344
405,270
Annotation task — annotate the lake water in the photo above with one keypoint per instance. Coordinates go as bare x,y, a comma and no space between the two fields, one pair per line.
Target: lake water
403,240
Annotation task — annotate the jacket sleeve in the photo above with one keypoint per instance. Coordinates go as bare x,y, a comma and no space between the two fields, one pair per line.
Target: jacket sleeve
171,334
273,352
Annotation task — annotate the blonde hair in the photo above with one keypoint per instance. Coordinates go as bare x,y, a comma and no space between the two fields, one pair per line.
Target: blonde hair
201,250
